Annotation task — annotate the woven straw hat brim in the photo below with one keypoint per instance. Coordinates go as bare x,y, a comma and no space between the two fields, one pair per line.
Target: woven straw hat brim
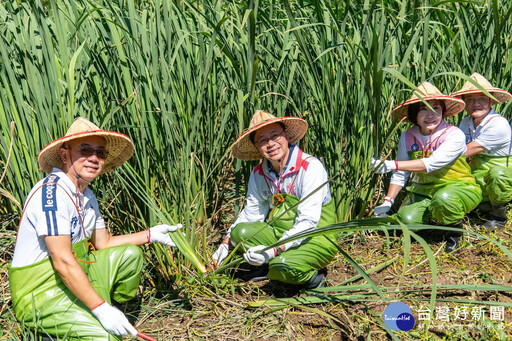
244,149
118,146
501,95
453,106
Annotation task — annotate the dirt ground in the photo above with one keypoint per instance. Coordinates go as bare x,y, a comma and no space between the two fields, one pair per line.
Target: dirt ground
219,311
476,262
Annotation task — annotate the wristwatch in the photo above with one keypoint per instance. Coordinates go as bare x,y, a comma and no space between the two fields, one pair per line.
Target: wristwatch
278,250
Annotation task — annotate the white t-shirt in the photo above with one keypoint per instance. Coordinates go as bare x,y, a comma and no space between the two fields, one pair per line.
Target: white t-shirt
264,182
493,133
51,210
452,147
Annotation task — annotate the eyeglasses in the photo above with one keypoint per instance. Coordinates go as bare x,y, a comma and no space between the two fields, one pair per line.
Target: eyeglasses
274,137
87,151
474,99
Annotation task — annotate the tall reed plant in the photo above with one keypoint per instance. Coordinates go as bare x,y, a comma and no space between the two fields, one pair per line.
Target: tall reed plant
182,79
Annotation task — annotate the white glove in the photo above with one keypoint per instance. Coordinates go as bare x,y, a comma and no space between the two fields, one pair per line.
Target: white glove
160,234
382,210
385,167
254,258
221,254
113,320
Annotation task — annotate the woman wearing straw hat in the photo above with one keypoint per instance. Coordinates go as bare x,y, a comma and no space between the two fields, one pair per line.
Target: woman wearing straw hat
57,285
442,187
488,136
286,176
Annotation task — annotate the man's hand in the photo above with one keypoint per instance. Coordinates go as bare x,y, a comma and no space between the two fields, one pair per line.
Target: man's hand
381,167
253,257
221,254
160,234
113,320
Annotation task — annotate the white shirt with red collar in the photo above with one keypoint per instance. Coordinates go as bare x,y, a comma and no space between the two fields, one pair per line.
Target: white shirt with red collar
54,210
301,176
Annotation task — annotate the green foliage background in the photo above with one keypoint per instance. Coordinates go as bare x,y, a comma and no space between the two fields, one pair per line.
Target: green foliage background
183,78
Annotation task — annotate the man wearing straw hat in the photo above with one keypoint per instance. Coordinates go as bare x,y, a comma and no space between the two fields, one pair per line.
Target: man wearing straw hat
442,187
58,285
285,177
488,138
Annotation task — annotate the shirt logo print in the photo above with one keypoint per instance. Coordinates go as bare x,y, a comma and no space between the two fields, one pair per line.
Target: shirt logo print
74,223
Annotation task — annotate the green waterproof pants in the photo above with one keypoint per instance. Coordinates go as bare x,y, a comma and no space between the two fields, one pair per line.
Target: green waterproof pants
296,265
497,184
448,205
494,176
42,301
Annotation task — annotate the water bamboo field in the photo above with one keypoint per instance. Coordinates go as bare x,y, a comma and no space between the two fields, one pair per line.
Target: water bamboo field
183,78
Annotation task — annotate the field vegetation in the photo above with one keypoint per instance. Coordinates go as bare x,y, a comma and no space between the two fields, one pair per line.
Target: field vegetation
183,78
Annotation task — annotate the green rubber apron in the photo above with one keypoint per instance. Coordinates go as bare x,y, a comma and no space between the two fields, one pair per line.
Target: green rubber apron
298,264
445,195
43,302
494,176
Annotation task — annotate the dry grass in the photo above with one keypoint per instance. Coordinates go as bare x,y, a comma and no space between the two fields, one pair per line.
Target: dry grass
202,312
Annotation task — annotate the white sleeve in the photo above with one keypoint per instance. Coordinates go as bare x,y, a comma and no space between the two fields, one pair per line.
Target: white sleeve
256,207
400,177
310,210
49,212
495,134
449,150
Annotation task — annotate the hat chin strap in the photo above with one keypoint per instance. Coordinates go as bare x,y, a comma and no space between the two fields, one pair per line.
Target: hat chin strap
79,182
77,178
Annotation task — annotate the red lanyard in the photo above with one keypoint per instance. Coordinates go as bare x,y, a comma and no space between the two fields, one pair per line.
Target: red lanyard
77,209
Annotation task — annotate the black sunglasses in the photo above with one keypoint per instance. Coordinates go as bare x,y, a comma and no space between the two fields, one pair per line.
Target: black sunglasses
87,151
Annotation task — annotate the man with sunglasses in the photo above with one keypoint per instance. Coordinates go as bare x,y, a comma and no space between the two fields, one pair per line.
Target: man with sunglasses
60,286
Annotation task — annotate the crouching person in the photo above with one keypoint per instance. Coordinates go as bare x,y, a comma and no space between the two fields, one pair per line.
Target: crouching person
284,177
59,285
488,138
442,188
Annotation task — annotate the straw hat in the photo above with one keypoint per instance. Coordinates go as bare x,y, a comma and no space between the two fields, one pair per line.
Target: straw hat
118,146
469,88
429,92
244,149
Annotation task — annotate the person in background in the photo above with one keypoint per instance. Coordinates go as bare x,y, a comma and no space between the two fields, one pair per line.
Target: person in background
58,285
488,137
442,189
284,177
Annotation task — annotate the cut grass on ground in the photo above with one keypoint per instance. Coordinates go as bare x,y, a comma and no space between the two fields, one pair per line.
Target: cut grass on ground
200,312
